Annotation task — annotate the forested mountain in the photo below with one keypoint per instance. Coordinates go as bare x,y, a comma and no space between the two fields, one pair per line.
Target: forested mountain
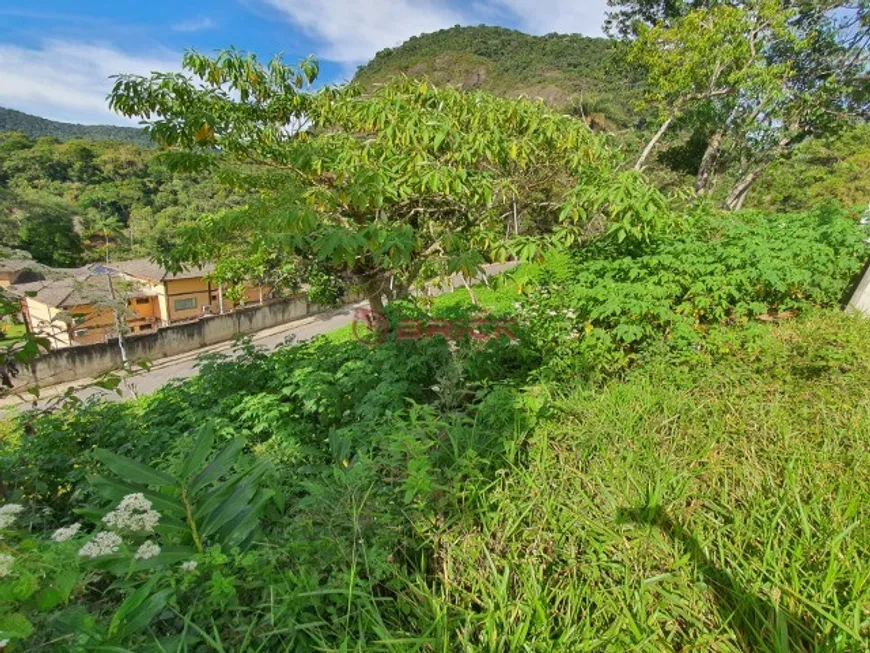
568,71
35,127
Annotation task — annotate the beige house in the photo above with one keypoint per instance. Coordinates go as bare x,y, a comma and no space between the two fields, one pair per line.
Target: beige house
185,295
80,310
76,307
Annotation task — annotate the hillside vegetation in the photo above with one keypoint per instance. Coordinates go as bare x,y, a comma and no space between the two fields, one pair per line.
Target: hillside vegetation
36,127
568,71
583,76
61,201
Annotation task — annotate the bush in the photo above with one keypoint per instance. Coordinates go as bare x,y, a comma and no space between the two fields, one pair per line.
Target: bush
596,311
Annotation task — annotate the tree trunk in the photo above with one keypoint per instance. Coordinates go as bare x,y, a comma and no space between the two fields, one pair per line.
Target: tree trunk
376,301
741,189
708,162
119,326
377,323
470,291
653,141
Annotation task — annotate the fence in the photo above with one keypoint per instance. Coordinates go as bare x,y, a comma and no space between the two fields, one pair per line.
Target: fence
71,363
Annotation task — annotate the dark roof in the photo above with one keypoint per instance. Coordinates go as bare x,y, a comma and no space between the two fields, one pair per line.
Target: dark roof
142,268
72,291
17,264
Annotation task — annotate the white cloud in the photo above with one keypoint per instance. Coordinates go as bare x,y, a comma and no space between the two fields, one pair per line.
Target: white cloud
564,16
68,80
194,25
352,31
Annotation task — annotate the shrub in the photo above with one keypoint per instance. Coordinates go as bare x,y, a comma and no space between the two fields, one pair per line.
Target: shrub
596,310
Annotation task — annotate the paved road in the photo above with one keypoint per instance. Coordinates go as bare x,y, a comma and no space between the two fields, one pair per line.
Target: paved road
184,365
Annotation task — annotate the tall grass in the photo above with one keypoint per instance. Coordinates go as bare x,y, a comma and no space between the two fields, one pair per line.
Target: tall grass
720,508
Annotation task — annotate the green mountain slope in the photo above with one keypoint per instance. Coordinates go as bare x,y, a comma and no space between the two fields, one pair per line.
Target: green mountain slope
568,71
35,127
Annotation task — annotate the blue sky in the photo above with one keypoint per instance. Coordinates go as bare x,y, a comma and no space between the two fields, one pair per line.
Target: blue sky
56,56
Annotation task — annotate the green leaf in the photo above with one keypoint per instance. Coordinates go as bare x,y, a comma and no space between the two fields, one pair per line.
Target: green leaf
201,449
48,598
131,603
65,581
15,625
150,608
238,528
221,464
131,470
233,505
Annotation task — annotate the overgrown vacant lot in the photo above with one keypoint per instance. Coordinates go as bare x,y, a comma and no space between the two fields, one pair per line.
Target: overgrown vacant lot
720,507
673,457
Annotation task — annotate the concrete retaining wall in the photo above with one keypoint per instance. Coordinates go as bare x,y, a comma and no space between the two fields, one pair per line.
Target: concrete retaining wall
860,300
85,361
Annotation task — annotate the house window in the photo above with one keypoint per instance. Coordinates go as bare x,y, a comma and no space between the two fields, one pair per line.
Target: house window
78,318
78,333
143,300
185,304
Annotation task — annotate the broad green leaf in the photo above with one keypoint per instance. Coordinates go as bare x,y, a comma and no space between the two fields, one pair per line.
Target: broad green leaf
15,625
130,604
131,470
144,613
219,466
228,509
199,452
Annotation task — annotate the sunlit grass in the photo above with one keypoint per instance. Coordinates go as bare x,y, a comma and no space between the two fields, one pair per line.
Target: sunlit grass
721,508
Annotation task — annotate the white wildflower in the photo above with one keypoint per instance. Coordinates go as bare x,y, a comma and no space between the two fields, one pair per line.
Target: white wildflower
570,314
6,561
8,513
11,508
148,550
66,532
133,514
4,643
188,566
103,544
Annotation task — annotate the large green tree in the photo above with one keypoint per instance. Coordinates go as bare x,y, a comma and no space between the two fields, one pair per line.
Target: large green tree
756,78
388,188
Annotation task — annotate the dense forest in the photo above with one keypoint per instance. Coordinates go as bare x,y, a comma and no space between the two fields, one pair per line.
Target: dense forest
36,127
651,434
63,201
